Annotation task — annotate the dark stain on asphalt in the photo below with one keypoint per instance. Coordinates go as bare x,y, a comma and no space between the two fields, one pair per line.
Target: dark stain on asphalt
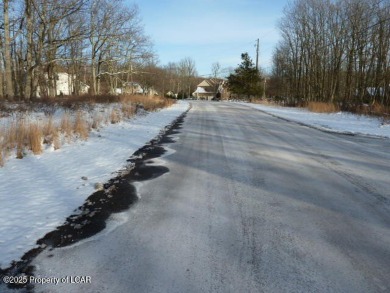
117,195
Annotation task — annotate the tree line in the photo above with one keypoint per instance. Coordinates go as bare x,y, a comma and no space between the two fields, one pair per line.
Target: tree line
180,78
335,51
99,42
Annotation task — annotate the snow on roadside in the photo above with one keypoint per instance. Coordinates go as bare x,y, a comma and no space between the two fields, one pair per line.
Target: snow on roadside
340,122
39,192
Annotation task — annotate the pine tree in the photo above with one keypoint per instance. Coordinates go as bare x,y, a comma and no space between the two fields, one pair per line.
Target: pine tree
246,81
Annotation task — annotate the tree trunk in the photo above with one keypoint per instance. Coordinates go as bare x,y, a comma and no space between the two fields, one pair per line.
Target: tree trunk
9,90
29,68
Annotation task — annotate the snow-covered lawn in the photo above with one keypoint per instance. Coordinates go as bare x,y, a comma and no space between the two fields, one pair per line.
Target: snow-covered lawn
336,122
38,192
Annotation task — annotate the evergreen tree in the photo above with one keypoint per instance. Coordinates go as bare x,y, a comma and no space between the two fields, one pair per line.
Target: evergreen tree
246,81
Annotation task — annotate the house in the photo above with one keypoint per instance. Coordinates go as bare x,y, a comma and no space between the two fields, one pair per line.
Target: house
134,88
64,85
210,88
171,94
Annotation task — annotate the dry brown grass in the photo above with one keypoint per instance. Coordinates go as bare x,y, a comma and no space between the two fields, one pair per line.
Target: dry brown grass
56,141
1,156
97,121
376,109
2,146
128,110
149,103
115,116
35,136
380,110
21,135
320,107
18,135
11,133
49,130
66,125
81,127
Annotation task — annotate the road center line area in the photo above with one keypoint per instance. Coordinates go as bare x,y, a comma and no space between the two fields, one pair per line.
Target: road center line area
250,203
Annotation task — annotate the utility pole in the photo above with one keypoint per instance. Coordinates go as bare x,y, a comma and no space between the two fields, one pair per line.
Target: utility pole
257,55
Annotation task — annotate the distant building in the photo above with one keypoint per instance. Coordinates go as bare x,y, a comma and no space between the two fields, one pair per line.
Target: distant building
211,88
171,94
134,88
65,85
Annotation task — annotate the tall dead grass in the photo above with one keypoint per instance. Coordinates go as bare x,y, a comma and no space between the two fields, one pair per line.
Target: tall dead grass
321,107
128,109
97,121
149,103
1,156
35,138
375,109
81,127
49,130
21,135
66,125
115,116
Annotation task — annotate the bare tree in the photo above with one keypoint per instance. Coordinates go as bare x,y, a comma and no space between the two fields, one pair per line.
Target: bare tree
101,39
187,72
9,90
334,51
215,69
113,27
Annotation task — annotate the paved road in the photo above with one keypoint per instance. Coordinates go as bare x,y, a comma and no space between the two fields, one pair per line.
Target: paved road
252,203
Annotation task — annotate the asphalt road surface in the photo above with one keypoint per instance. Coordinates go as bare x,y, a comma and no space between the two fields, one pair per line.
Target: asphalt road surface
251,203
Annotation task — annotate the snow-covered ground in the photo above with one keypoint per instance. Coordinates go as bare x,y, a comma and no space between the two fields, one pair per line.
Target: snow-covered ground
336,122
38,192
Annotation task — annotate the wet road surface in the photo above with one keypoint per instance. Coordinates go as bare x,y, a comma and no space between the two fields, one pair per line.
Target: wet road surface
250,203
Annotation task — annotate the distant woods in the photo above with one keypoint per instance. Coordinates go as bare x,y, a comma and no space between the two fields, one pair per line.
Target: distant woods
334,51
98,42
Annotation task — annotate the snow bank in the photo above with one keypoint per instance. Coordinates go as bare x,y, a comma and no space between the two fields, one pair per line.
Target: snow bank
336,122
39,192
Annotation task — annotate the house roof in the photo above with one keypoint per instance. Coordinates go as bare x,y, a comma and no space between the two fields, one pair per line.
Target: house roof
210,82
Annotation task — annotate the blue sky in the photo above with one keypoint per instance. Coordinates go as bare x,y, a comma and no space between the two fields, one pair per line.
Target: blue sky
211,31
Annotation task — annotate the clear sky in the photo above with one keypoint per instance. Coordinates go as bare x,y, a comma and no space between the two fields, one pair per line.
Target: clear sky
211,31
